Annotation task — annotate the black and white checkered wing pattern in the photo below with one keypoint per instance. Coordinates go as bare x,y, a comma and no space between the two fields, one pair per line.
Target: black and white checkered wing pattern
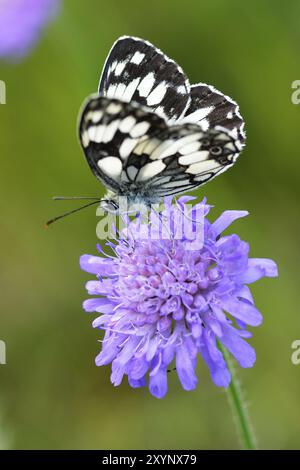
109,131
183,157
130,148
136,71
210,108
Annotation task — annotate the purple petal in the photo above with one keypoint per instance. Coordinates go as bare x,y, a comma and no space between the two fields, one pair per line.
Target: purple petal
210,342
185,368
258,268
158,383
168,354
234,254
138,368
99,321
184,199
152,348
226,219
90,305
219,373
128,349
243,311
93,287
137,383
156,363
107,355
214,360
240,349
97,265
168,201
21,23
245,293
117,373
98,305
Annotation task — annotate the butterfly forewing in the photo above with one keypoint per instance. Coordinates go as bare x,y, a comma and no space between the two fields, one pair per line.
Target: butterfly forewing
128,146
210,108
109,132
136,71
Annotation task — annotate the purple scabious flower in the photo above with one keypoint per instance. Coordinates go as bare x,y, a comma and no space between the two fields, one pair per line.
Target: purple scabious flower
162,302
21,23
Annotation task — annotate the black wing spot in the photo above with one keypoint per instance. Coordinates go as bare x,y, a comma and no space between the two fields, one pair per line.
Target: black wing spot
216,150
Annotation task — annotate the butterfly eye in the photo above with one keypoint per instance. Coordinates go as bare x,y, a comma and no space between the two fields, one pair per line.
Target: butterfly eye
216,150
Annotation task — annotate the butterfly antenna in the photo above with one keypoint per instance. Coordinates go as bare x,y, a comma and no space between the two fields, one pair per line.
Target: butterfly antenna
78,198
51,221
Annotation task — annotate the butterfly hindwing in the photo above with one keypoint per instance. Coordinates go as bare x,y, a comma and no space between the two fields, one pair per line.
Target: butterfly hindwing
128,146
136,71
187,156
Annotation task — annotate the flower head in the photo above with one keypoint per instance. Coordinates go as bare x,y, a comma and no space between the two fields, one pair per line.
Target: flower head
163,302
21,22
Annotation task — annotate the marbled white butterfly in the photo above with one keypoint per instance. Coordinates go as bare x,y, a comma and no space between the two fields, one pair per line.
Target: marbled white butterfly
148,133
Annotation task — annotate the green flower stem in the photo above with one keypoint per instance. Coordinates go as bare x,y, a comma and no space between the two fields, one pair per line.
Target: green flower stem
239,407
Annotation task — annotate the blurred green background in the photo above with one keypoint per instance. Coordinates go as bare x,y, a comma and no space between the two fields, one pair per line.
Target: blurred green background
51,394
